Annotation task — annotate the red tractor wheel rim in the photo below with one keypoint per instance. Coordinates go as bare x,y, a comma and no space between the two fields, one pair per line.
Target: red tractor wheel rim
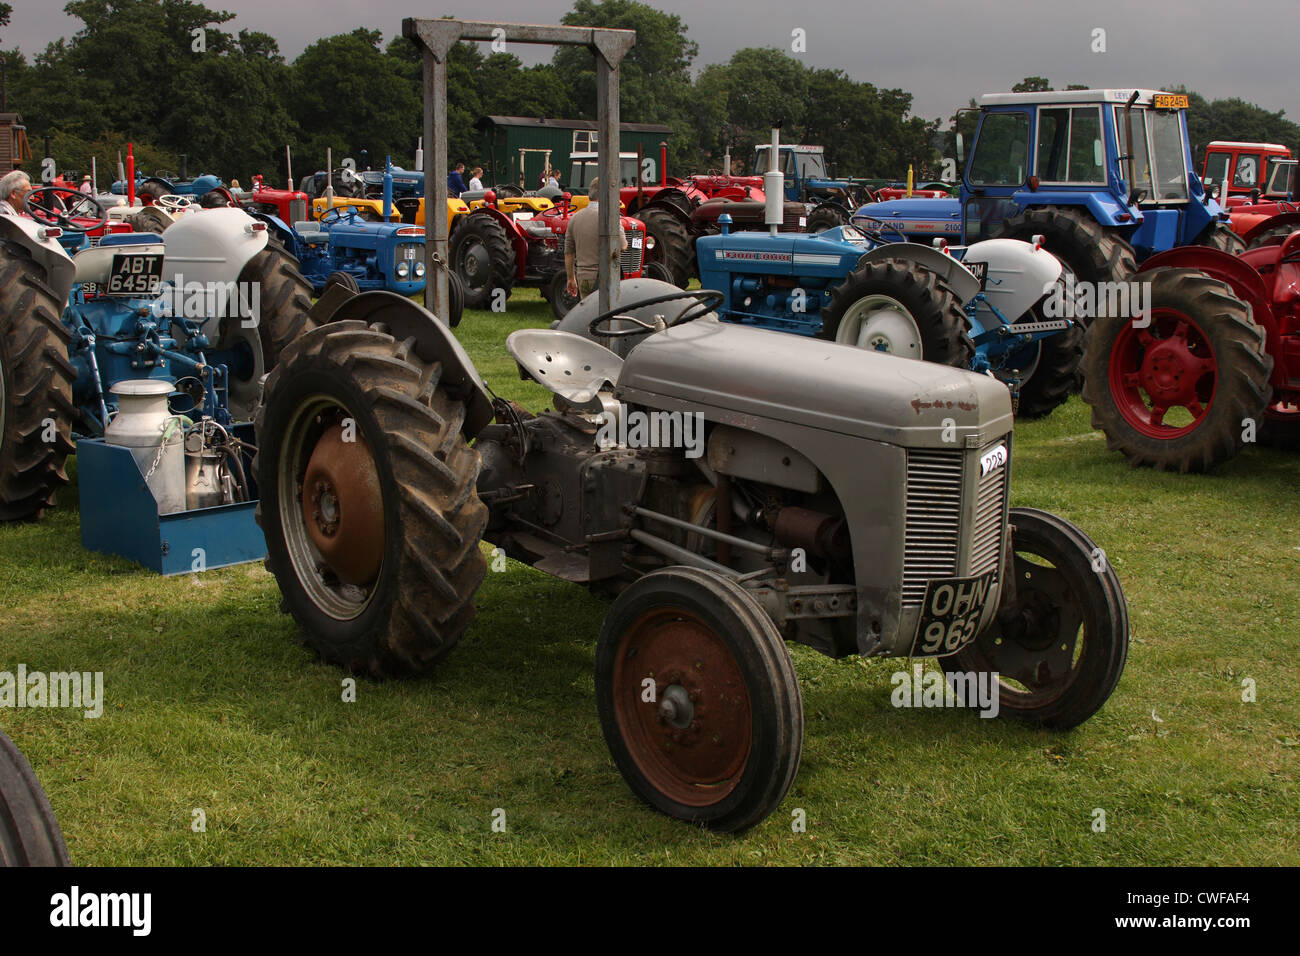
692,741
1167,364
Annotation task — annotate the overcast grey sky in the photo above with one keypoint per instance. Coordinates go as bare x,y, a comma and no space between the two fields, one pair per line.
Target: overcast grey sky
942,51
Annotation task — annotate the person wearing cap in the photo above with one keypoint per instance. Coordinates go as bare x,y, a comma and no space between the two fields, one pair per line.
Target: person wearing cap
85,185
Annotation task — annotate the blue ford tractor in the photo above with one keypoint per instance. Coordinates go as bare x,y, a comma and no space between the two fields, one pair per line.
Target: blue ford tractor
977,307
1060,165
830,201
206,310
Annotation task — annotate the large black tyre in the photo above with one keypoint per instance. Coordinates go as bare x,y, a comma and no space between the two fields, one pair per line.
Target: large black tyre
284,297
1201,353
456,292
409,476
938,331
1060,648
826,217
667,242
1220,236
1054,375
1274,234
35,389
556,293
154,190
483,258
29,832
726,752
1089,251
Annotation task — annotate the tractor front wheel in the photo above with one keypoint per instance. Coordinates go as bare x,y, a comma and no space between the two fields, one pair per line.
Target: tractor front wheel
369,507
1174,390
36,410
483,259
1053,374
1058,648
698,699
557,293
284,298
901,307
29,832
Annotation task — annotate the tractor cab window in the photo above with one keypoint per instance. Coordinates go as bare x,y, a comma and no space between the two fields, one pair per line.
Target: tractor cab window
1069,145
1281,181
787,164
1159,166
1246,174
1216,167
812,166
1001,156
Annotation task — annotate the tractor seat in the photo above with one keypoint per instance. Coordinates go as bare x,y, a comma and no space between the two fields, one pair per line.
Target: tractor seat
311,232
95,263
574,368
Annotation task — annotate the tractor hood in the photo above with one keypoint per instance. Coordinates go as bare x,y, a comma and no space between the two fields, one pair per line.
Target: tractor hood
742,375
941,217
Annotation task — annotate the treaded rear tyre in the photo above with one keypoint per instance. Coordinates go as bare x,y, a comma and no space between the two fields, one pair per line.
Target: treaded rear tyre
826,217
284,297
421,600
933,306
1054,377
36,380
1092,253
1235,388
672,244
479,229
29,832
1220,236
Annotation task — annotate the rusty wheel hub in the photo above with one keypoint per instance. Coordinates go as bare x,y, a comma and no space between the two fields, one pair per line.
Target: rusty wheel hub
692,740
343,506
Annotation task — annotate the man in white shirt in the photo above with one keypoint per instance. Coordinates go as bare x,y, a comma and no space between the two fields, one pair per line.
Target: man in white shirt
582,247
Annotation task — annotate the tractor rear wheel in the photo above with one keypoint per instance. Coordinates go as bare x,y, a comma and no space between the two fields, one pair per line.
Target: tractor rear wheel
456,292
36,377
29,832
698,699
483,258
901,307
1174,394
1274,234
1059,648
153,190
284,298
667,242
1220,236
369,506
826,217
1054,374
1079,241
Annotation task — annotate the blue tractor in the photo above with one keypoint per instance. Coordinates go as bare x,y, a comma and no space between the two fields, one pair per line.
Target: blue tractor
1060,165
830,201
977,307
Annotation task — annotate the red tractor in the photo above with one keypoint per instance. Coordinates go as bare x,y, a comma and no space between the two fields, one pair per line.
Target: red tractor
493,249
1213,364
291,205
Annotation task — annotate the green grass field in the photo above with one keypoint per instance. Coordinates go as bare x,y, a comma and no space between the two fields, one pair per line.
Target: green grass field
211,703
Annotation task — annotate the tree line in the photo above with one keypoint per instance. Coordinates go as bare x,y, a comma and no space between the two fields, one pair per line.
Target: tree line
166,75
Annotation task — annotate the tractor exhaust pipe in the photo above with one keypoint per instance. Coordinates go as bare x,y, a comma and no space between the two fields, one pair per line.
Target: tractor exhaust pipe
774,186
663,163
130,174
640,163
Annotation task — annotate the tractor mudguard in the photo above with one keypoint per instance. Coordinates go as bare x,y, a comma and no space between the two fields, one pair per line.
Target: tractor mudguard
961,279
1018,277
59,269
213,247
1272,222
434,342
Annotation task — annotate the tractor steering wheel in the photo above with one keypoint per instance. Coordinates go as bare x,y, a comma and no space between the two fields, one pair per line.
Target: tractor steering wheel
64,205
708,300
174,203
336,214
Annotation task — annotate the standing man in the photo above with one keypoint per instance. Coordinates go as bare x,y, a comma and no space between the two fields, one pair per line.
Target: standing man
14,188
455,181
582,247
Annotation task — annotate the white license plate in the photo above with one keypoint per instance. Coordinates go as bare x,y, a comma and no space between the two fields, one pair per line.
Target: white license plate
521,216
993,460
409,252
636,242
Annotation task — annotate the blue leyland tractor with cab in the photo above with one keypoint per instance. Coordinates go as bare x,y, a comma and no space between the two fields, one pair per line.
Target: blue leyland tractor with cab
977,307
205,308
1060,165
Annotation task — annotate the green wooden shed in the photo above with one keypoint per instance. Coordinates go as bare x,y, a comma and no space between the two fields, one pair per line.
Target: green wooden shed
516,149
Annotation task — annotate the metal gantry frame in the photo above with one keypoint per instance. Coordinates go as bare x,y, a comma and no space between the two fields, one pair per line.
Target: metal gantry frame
435,38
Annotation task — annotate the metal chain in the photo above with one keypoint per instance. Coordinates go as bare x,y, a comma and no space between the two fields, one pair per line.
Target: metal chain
168,430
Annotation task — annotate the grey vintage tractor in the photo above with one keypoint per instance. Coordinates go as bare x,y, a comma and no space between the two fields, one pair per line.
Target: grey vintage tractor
736,488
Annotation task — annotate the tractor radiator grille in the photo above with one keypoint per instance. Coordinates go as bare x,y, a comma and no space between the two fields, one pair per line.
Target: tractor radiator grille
933,520
990,501
632,257
932,543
